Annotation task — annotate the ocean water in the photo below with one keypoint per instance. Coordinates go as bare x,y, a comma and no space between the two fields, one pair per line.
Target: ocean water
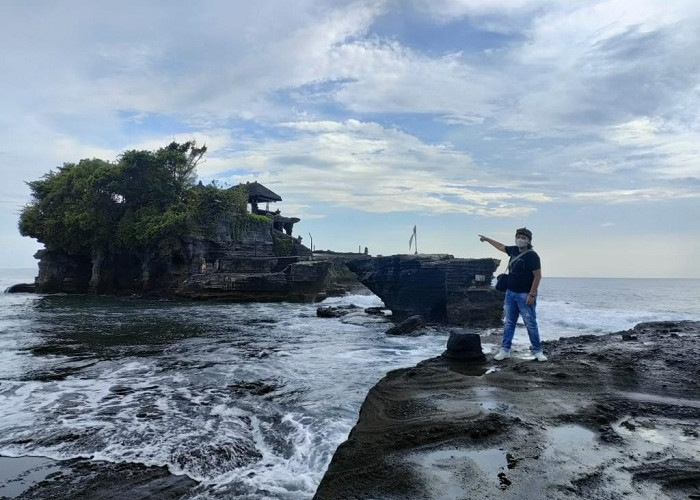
251,400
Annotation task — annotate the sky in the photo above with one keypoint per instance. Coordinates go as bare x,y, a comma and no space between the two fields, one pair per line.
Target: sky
579,120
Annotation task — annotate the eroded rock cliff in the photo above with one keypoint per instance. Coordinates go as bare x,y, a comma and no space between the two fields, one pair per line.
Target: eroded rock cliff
440,288
234,258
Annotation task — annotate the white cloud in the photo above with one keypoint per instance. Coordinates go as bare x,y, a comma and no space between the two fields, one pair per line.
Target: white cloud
635,195
676,146
449,10
368,167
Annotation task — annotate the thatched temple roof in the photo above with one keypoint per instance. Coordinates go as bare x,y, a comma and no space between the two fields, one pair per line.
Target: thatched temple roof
258,193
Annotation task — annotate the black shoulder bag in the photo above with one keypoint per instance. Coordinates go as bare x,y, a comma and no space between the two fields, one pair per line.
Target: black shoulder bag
502,279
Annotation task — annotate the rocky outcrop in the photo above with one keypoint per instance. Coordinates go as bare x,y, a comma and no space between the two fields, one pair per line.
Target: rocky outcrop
603,419
60,272
341,280
336,311
410,326
22,288
234,257
298,282
440,288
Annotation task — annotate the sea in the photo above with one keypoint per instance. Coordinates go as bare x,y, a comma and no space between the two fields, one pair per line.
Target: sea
250,400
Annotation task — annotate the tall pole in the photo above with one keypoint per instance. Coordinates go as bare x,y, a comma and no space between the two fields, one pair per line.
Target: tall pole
415,233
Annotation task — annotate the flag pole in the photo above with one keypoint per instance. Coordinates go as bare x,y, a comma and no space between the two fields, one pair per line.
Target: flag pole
415,234
414,239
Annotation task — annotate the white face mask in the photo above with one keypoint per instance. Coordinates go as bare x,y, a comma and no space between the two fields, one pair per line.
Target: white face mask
521,242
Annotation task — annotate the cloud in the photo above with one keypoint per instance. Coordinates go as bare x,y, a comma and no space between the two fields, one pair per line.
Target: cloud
501,108
488,10
635,195
368,167
675,147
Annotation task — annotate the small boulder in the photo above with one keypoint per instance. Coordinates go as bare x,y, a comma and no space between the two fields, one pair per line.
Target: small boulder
464,346
376,311
335,311
408,326
22,288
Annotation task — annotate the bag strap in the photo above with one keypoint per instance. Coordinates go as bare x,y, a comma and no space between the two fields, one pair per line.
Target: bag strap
516,257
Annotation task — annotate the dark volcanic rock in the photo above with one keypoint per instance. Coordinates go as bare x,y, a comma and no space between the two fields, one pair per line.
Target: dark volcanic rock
22,288
341,280
86,480
298,282
335,311
440,288
465,346
236,259
407,326
377,311
621,423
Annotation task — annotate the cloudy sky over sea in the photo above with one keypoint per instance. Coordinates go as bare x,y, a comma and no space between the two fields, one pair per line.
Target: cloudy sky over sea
577,119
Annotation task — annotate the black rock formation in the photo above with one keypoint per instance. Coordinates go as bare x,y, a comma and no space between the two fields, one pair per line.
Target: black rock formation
235,259
409,326
440,288
575,427
464,346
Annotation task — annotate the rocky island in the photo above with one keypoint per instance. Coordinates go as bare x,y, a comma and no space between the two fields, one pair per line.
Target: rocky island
142,226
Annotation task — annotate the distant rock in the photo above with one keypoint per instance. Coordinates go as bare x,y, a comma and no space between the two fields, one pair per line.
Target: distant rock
22,288
237,258
377,311
341,280
298,282
440,288
409,326
335,311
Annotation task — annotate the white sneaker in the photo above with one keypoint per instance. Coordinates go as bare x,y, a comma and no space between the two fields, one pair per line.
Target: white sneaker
539,356
502,354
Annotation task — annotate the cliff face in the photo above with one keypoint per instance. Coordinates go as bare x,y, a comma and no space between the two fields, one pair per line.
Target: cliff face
440,288
233,258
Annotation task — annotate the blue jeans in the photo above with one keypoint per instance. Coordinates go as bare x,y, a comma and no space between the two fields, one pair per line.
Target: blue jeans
513,306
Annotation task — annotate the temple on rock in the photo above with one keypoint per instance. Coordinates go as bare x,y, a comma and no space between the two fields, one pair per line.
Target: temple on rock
257,193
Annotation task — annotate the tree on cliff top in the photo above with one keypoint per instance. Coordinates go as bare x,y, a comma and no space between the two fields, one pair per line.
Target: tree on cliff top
143,198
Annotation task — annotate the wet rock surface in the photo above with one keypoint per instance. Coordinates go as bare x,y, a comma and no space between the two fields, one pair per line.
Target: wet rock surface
88,480
613,416
335,311
411,326
298,282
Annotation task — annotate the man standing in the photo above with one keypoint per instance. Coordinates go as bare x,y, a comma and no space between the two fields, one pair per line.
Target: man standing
524,275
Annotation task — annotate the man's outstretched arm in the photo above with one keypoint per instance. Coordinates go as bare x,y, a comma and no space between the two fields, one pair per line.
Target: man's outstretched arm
496,244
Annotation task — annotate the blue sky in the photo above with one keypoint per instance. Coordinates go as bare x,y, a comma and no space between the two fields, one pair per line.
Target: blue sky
576,119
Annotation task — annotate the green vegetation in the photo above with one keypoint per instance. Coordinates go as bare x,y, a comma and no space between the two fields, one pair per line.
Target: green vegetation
258,219
143,198
240,225
282,246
